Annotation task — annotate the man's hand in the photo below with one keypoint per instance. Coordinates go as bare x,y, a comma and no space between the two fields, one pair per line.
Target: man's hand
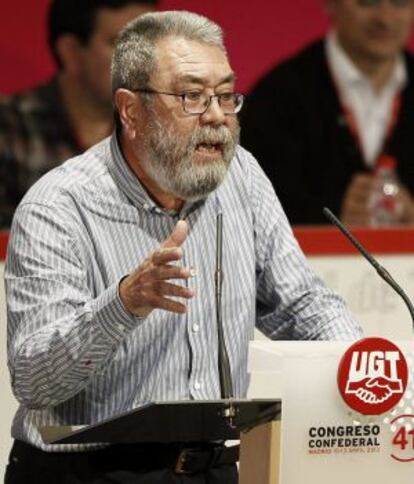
407,203
355,205
148,288
355,209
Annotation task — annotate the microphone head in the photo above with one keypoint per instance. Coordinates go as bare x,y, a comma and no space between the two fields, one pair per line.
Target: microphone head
329,215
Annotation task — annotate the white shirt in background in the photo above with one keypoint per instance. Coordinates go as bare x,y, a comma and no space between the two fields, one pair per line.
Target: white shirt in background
372,110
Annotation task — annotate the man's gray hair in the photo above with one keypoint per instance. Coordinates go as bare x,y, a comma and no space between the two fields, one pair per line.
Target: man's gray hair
134,60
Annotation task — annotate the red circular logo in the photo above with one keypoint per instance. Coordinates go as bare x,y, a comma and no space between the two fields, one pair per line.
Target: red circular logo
372,376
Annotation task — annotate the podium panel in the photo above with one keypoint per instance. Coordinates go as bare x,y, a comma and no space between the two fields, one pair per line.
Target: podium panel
322,439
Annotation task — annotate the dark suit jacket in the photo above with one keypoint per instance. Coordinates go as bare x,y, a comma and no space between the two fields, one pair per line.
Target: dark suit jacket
293,123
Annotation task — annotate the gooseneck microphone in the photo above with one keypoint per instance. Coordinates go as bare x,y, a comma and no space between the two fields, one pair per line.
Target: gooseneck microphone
381,271
226,386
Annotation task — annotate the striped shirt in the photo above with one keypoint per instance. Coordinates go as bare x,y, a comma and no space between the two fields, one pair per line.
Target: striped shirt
76,356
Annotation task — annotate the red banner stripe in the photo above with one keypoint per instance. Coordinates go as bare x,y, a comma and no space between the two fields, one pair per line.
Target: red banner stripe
329,241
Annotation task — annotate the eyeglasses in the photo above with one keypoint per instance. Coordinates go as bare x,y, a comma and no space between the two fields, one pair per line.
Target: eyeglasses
376,3
197,103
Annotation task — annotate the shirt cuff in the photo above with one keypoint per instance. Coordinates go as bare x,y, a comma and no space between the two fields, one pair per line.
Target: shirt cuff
113,318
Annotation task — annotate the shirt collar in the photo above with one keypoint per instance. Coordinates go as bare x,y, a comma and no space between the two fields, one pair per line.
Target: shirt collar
125,178
346,73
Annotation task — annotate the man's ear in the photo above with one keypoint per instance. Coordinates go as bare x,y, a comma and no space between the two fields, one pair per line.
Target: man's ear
69,51
129,107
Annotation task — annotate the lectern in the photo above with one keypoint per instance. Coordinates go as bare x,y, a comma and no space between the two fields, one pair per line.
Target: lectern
184,421
180,421
322,439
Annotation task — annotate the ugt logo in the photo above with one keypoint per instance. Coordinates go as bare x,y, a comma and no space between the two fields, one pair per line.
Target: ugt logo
372,376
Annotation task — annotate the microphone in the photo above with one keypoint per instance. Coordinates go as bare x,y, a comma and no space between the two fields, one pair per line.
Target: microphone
381,271
226,387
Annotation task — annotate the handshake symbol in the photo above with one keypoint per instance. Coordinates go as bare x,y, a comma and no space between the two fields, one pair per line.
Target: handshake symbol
374,389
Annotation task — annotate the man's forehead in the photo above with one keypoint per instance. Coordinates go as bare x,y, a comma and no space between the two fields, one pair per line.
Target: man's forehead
180,59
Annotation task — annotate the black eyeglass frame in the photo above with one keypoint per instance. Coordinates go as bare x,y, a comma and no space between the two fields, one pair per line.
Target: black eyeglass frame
237,96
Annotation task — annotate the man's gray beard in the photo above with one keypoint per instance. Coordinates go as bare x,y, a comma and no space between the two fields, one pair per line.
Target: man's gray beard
170,162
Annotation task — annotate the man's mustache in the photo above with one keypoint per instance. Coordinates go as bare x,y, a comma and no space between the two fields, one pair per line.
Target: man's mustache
209,135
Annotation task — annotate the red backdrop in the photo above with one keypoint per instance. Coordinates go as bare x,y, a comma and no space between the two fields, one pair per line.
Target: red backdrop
258,32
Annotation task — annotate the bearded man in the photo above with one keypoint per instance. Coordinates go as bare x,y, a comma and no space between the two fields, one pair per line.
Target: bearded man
111,259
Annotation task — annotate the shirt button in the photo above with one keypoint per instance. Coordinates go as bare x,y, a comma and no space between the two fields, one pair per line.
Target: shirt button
197,385
121,327
196,328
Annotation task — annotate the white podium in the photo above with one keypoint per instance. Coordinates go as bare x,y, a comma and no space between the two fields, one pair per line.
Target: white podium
321,439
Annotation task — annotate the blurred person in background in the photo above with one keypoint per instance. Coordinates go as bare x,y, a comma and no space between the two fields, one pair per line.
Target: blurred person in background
331,113
71,112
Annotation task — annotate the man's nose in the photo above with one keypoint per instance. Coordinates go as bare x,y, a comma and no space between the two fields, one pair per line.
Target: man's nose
214,113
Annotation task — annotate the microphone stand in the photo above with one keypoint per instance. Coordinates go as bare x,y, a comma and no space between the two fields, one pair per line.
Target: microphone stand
381,271
226,387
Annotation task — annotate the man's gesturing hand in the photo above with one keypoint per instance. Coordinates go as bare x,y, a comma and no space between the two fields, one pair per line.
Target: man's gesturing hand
148,288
